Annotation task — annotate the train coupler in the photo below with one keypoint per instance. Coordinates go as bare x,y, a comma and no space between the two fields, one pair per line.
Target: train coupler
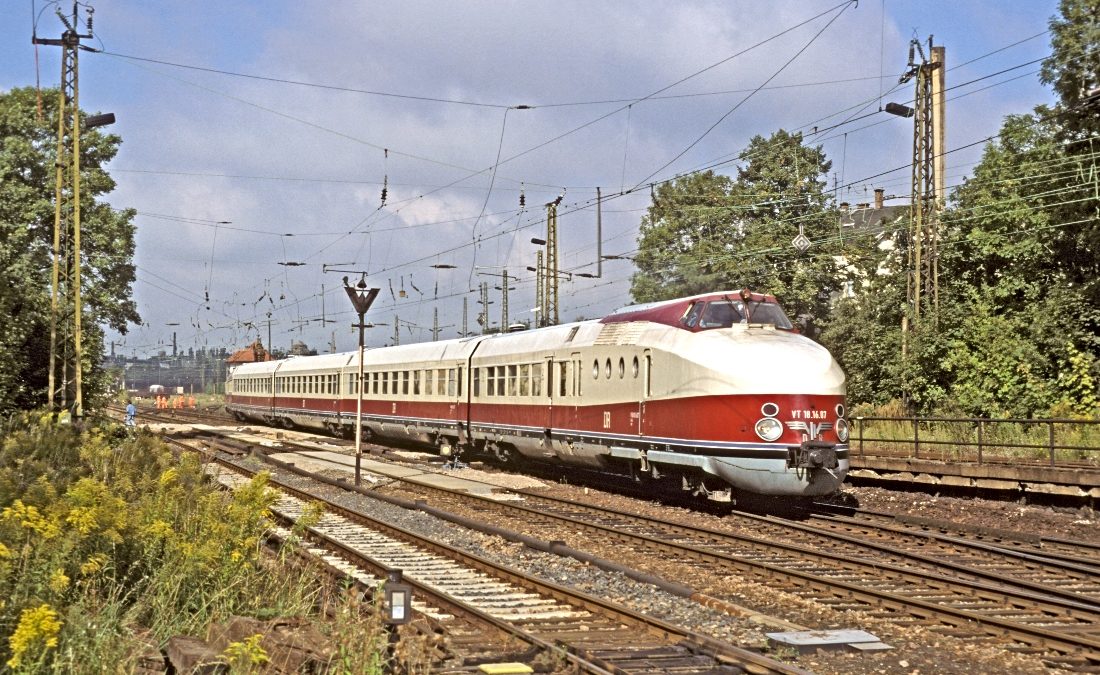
812,455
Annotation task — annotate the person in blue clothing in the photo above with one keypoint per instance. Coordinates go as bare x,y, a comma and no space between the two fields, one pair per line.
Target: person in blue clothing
131,412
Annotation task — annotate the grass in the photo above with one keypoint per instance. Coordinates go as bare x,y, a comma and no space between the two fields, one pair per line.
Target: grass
109,543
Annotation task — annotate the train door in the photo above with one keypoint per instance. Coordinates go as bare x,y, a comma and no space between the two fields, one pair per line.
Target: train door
645,387
548,397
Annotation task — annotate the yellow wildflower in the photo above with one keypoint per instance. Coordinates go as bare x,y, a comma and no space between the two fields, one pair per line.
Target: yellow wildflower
83,519
59,581
93,564
169,476
5,552
158,529
37,631
247,655
29,517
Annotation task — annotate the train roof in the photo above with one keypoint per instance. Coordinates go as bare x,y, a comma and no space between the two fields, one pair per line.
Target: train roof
669,312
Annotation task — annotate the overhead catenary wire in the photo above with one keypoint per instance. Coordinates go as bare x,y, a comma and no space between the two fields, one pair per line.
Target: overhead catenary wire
744,100
479,218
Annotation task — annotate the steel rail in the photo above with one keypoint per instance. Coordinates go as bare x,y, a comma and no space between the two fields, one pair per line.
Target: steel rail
704,645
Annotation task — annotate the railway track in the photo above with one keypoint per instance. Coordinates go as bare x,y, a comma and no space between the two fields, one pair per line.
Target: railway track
1021,615
1081,553
590,634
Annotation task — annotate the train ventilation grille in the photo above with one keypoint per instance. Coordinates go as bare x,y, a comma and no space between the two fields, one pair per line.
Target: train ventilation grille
624,333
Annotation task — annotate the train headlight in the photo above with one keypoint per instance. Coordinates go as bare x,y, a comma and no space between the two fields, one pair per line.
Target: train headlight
769,428
842,430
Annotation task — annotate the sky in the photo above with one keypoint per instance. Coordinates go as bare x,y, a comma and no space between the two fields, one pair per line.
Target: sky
258,137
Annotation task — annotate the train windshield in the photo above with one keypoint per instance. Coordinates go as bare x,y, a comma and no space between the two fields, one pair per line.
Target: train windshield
725,313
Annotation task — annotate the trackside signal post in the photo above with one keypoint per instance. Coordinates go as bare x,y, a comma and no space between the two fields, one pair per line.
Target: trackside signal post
67,354
361,298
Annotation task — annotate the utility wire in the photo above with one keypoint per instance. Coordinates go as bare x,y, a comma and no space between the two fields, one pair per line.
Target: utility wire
745,99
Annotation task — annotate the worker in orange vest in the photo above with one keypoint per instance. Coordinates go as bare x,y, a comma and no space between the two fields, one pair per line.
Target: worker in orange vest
191,402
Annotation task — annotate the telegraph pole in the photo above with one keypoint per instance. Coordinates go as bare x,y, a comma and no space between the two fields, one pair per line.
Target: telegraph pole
927,185
504,302
551,272
540,289
435,324
484,318
65,286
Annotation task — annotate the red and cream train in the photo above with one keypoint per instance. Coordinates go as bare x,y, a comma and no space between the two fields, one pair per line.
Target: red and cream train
717,393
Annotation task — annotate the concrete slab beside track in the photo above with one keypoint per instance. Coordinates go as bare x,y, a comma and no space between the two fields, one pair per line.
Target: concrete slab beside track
323,460
327,457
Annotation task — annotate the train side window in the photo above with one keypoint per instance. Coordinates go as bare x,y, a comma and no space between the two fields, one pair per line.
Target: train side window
476,372
525,380
460,380
416,382
451,382
607,369
440,382
577,378
562,376
490,383
536,379
405,382
596,369
622,368
511,380
385,382
500,380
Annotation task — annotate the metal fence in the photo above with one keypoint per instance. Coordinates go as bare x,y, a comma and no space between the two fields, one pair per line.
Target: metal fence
1057,442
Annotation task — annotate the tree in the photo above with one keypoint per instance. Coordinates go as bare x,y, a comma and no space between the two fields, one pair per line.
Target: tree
705,231
685,227
1019,320
27,156
1073,68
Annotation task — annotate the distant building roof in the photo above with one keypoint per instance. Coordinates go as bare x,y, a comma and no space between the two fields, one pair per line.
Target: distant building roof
251,354
868,218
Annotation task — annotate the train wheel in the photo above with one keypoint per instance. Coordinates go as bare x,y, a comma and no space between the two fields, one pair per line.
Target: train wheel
503,452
